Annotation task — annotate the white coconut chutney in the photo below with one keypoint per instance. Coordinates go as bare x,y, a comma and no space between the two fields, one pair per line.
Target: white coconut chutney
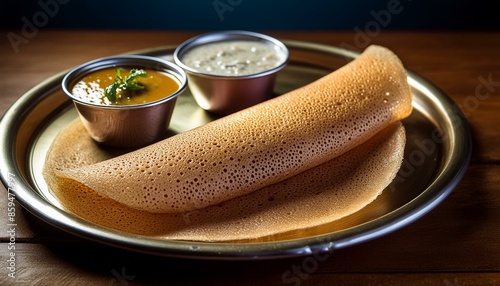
234,58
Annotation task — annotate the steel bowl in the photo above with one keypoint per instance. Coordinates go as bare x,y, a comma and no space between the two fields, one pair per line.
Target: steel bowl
224,94
126,125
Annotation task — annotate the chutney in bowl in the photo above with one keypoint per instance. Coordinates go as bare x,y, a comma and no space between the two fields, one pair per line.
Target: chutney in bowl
125,101
231,70
154,86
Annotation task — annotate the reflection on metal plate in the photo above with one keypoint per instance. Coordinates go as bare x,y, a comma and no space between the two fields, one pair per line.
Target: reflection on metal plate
436,156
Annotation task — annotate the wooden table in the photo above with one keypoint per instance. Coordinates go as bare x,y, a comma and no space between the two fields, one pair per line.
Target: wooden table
457,243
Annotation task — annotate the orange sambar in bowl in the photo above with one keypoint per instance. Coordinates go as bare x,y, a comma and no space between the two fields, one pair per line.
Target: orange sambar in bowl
91,87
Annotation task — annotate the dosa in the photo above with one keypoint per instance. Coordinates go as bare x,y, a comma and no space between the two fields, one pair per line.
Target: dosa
258,157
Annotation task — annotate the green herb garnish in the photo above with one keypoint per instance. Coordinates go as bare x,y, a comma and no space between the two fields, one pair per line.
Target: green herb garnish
129,83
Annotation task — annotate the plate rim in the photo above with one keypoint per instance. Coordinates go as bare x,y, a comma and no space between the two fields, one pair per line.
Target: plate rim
29,198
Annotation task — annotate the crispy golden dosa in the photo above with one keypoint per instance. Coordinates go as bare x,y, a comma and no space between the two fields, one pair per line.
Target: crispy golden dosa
320,195
259,146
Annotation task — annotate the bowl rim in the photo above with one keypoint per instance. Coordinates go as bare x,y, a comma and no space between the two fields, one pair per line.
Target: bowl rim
125,60
228,35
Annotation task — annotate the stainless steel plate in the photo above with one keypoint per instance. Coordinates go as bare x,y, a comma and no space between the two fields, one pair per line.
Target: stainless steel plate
437,154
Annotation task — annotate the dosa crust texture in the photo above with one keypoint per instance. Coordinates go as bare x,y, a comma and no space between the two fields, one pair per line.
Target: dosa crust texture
258,146
320,195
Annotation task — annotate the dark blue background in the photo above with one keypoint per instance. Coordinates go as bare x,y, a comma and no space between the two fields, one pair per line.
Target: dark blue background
247,14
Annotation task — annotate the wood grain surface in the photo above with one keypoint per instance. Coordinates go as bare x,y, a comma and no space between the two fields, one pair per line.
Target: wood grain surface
457,243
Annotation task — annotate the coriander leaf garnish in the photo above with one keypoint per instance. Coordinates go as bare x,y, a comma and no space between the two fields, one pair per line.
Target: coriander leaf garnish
128,84
111,89
134,74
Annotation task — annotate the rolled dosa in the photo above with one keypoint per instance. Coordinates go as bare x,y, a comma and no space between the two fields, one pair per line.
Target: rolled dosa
259,146
320,195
